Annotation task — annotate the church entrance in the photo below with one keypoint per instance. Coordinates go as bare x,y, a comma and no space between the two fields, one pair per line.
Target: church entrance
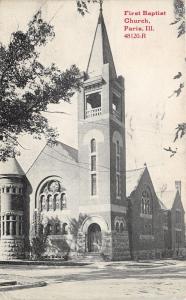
94,238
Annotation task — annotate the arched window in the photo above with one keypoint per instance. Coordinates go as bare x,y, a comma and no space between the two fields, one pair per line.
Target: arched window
52,196
117,226
93,175
42,202
63,200
146,202
50,202
54,202
47,203
57,201
57,228
121,227
49,228
65,228
142,205
93,145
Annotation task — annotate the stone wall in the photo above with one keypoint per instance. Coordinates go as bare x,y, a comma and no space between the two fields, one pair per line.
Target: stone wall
120,246
11,248
106,249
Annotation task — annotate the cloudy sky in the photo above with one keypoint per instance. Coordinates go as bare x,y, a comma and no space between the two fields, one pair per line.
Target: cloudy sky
148,66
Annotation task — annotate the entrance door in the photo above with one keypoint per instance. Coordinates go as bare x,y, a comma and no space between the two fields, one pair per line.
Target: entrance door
94,238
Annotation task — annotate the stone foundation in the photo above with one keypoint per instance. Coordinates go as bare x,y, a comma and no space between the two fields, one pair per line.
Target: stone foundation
106,248
120,246
115,246
151,254
11,249
60,247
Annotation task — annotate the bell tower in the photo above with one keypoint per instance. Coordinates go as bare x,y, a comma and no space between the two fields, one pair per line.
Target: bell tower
101,144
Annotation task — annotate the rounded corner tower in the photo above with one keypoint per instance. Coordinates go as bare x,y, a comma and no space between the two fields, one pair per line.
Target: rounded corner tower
12,188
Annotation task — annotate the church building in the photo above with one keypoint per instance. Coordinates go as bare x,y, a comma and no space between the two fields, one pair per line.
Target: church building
65,184
80,195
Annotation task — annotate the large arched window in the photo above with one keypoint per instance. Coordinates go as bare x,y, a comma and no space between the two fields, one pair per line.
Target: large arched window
93,175
146,202
52,196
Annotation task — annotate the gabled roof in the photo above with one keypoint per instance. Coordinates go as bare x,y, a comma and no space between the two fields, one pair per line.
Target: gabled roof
132,180
60,152
11,167
100,52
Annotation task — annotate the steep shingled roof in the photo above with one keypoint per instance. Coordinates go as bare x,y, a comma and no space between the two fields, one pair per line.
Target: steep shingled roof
11,167
132,179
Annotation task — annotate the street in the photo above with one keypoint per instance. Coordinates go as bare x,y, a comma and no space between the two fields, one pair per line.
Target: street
153,280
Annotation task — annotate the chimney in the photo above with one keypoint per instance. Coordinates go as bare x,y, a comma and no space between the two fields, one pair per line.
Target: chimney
178,186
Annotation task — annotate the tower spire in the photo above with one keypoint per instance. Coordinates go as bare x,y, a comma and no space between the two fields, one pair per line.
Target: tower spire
101,5
100,52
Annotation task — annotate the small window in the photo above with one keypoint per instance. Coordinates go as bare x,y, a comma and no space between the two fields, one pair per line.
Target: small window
116,106
65,228
118,185
3,228
93,184
57,197
14,227
42,202
117,164
93,145
117,226
8,190
49,229
146,203
20,225
7,225
13,190
121,227
93,163
57,228
63,201
117,147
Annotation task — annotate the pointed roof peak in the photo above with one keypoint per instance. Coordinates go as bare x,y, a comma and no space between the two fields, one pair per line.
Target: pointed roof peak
100,19
101,51
11,167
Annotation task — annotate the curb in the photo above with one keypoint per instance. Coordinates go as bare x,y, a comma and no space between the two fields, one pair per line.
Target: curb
44,263
23,286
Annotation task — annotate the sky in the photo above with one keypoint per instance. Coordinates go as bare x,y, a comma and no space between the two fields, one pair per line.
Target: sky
148,66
